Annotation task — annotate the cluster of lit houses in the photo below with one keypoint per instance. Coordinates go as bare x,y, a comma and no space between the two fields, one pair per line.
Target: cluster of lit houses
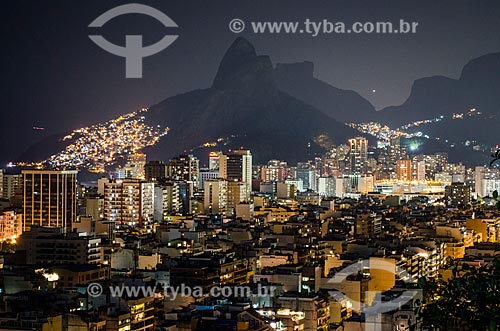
98,146
384,133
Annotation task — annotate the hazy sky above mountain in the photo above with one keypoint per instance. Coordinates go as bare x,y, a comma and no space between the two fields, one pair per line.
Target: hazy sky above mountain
54,76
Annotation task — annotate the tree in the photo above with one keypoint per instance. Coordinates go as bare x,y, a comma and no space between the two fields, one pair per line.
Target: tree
469,300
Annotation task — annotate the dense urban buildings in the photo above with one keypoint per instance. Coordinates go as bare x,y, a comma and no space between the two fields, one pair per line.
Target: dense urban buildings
358,192
297,236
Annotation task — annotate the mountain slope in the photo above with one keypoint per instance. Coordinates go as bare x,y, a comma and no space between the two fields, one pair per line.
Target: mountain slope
478,87
243,107
345,106
244,101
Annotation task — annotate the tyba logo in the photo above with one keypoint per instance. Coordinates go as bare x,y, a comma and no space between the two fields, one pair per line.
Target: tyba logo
133,51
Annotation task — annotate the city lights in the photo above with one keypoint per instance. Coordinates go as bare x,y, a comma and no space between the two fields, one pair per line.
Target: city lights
99,146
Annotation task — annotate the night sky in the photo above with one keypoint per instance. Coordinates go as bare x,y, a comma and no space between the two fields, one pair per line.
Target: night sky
54,76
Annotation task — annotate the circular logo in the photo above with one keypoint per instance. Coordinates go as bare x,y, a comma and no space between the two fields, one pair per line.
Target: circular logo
94,289
236,25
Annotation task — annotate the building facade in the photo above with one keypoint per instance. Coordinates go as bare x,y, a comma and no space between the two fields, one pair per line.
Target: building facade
49,198
129,201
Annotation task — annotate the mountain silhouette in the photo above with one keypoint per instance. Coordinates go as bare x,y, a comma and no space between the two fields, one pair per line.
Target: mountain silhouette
478,87
245,102
346,106
286,113
244,107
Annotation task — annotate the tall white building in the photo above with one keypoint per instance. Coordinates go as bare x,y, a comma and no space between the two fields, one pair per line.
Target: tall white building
487,180
167,201
326,186
11,184
1,183
215,196
129,201
358,154
418,170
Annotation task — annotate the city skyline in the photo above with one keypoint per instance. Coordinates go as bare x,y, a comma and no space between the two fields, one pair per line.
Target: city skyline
79,60
263,165
103,145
